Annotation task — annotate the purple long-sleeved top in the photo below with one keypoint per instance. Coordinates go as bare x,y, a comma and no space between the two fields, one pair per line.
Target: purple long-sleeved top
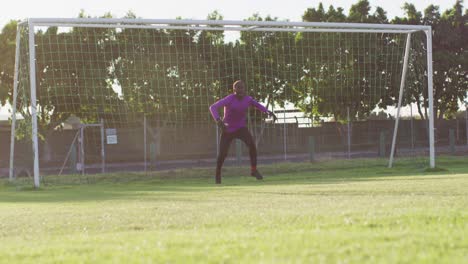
235,110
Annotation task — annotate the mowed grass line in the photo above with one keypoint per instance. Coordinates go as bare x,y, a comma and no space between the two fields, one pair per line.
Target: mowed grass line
301,213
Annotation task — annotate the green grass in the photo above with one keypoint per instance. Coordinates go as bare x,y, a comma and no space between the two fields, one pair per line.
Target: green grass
301,213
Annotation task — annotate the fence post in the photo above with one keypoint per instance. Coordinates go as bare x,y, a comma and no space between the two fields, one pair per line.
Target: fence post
73,159
452,140
311,148
152,155
466,123
382,144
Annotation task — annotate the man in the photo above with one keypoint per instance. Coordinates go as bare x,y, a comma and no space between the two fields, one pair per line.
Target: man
233,125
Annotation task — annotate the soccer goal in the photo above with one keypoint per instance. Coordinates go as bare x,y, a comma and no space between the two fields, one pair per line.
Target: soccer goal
340,90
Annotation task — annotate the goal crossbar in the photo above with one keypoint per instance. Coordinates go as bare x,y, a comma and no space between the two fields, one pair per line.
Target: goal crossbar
257,29
227,23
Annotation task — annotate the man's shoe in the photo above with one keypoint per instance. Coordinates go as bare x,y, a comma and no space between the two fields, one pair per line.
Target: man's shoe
256,174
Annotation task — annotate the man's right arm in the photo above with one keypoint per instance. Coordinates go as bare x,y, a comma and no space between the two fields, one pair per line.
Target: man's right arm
214,107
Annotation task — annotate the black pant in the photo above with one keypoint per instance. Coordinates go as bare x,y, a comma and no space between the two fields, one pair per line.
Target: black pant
226,139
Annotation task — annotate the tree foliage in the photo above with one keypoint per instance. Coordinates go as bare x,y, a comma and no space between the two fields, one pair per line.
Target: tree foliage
174,74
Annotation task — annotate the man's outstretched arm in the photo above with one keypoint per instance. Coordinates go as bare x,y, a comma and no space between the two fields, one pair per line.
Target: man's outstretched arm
260,107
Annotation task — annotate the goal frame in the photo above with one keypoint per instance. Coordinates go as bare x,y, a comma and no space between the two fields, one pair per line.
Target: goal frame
212,25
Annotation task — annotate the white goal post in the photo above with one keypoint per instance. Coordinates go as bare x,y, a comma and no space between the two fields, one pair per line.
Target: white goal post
33,24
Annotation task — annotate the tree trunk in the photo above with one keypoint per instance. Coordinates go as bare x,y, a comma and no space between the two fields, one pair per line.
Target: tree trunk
418,104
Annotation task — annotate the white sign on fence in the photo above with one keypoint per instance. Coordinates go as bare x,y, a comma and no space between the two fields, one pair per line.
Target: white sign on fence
111,136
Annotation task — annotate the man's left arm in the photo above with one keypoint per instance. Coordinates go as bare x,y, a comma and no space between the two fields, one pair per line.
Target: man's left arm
262,108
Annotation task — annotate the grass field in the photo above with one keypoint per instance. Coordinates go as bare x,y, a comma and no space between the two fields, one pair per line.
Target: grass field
301,213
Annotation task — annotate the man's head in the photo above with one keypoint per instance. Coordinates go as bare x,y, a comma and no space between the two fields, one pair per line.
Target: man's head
239,88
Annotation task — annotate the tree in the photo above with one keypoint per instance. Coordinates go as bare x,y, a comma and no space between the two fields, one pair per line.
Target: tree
7,61
188,69
334,74
450,43
315,15
359,12
266,60
450,60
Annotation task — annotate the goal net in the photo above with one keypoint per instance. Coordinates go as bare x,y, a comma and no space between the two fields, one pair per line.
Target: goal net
111,95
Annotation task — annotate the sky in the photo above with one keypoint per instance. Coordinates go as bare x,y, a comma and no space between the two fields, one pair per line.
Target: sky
192,9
